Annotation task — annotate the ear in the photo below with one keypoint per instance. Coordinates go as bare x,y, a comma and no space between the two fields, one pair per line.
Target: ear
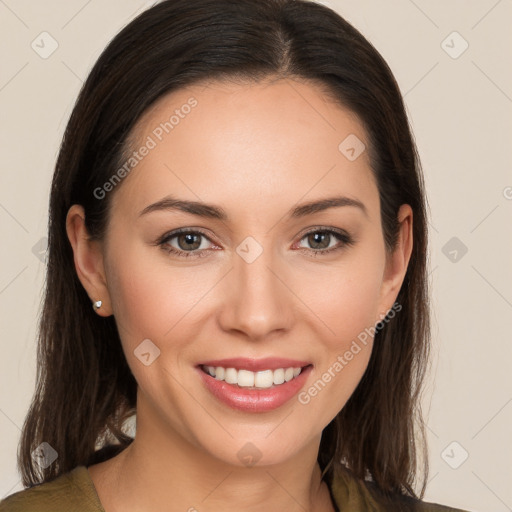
397,262
88,258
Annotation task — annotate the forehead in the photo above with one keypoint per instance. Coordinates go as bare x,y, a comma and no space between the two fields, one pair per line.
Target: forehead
244,143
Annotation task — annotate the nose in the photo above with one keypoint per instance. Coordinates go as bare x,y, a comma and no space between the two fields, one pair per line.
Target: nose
258,302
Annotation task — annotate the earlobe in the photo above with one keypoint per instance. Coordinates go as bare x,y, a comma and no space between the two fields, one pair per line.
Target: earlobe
88,259
398,262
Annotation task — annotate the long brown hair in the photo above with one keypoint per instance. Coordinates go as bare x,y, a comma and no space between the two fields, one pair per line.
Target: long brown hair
84,387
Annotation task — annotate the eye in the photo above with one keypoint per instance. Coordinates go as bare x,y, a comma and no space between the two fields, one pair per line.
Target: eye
321,241
191,243
187,243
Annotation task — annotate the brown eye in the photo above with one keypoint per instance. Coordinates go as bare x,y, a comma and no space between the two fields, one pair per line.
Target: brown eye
189,241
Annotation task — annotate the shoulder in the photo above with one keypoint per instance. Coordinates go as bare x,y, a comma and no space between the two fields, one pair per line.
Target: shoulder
423,506
70,491
351,494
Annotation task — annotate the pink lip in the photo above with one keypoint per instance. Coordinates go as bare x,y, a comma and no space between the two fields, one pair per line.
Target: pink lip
254,400
256,365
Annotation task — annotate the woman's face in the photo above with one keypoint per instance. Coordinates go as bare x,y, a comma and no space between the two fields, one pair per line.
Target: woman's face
261,282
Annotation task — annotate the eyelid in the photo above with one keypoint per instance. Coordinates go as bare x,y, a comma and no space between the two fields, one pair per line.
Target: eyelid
329,229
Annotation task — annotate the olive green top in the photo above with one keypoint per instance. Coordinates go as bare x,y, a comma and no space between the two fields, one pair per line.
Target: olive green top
75,492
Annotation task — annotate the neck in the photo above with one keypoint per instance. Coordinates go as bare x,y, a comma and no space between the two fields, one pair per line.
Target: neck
162,471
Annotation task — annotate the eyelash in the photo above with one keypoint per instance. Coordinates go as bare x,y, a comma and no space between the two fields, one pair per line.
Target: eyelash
342,236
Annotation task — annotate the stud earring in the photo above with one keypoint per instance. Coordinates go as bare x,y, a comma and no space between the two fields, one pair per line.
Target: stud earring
96,305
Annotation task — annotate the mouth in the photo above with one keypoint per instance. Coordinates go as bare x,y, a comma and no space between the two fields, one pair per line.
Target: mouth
253,385
263,379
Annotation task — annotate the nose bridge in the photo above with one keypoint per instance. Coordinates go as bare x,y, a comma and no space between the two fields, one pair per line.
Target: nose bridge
257,300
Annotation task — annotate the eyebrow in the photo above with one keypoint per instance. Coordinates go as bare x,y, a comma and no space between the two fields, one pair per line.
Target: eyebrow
216,212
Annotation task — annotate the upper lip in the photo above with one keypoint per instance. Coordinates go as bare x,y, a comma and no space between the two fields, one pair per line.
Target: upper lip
255,365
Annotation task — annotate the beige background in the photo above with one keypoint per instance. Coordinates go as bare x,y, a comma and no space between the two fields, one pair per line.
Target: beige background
460,108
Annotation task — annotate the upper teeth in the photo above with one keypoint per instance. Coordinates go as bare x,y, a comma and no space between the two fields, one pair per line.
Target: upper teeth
246,378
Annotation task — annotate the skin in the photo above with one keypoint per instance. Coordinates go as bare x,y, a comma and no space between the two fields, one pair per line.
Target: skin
256,150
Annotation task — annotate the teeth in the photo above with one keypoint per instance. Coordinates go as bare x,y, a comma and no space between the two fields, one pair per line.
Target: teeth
231,376
247,379
264,379
279,376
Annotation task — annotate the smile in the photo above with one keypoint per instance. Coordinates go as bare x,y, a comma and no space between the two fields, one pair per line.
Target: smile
254,385
257,380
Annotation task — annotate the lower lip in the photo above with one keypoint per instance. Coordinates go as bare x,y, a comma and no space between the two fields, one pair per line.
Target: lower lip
254,400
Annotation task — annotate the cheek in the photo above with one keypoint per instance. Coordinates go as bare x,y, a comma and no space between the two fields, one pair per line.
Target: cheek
149,298
348,299
347,304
